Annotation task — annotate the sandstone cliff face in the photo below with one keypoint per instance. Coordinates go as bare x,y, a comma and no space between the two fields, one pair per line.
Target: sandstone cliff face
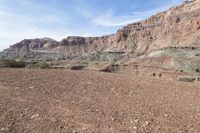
28,45
177,27
166,29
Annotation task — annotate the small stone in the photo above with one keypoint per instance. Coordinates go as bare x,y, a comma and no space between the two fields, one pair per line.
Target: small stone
134,131
146,123
4,129
166,115
22,115
34,116
31,87
136,121
135,128
75,131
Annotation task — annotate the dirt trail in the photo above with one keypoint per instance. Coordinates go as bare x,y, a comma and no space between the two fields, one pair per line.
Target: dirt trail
64,101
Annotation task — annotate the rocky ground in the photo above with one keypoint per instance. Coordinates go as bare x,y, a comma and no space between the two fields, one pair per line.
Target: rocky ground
65,101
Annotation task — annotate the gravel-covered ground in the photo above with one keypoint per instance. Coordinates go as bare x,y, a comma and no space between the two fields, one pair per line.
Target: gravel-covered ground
64,101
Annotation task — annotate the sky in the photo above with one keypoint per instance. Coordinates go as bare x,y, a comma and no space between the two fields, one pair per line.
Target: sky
57,19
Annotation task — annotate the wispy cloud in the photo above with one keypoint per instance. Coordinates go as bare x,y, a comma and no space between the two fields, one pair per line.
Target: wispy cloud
110,19
84,12
16,26
148,13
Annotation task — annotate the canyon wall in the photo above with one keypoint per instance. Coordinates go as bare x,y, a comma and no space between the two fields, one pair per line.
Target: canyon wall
177,27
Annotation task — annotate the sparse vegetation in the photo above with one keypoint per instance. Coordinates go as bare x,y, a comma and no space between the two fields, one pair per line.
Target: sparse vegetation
77,67
111,68
197,70
41,65
5,63
154,74
186,79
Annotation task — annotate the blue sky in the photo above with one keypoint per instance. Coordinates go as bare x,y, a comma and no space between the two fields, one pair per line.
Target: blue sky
57,19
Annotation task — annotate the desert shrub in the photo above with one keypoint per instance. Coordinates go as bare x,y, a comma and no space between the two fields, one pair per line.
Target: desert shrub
77,67
6,63
111,68
44,65
154,74
41,65
187,79
31,66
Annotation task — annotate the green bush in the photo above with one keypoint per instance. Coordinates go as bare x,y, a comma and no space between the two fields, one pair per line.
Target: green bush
77,67
6,63
41,65
44,66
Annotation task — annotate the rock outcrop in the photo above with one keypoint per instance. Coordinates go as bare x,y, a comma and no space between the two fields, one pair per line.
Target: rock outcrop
177,27
28,45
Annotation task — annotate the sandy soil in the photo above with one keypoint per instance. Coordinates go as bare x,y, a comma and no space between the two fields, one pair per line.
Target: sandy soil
64,101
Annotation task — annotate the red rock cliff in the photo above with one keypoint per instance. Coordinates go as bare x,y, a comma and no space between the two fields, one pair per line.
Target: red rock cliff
179,26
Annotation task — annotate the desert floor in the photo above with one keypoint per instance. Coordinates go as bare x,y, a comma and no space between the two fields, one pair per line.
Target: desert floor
65,101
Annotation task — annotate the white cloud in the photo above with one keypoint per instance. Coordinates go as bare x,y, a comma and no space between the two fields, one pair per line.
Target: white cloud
15,27
148,13
109,20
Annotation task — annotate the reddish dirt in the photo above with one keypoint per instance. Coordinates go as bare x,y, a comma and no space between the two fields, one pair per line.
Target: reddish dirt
64,101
